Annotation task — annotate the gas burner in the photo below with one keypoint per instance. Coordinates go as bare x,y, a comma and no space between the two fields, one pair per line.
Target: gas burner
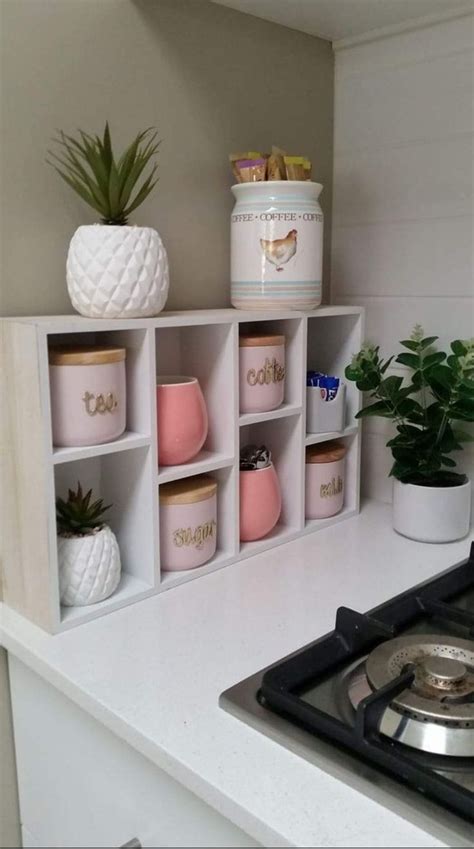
435,714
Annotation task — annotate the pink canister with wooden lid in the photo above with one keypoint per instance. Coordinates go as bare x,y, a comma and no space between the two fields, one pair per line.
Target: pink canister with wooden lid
262,372
188,522
88,394
324,479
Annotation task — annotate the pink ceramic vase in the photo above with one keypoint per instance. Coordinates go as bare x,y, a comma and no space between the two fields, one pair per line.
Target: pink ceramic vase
260,502
182,419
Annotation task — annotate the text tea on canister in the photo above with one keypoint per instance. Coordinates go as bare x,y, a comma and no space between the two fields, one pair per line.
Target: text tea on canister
88,394
188,522
276,245
324,486
262,372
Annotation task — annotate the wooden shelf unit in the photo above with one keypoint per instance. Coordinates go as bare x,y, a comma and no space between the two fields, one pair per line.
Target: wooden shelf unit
202,343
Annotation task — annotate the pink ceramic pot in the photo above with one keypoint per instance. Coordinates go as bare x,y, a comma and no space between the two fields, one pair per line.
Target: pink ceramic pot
182,419
260,502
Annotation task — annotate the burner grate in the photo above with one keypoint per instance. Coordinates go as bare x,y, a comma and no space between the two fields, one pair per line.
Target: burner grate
284,685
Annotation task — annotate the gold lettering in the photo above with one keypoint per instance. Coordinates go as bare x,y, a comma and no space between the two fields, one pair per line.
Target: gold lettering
251,377
271,372
195,537
328,490
99,404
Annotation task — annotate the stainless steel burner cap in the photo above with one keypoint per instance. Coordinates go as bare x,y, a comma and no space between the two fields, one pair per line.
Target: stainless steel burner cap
443,688
443,671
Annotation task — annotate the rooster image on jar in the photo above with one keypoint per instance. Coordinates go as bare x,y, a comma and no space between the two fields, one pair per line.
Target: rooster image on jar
280,251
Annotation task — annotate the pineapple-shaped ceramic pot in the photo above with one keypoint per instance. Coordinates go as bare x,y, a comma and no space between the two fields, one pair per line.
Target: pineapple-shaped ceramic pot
114,270
117,271
88,552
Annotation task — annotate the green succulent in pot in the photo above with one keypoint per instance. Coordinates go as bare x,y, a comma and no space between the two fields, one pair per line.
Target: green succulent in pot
114,270
106,183
430,409
88,552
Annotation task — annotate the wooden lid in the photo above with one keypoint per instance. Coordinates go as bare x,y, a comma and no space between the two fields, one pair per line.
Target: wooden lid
325,452
85,355
188,490
251,340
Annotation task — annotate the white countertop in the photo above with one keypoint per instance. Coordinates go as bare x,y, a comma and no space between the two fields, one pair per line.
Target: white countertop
153,673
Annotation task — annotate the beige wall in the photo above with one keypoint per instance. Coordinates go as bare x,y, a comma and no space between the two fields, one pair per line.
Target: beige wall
210,79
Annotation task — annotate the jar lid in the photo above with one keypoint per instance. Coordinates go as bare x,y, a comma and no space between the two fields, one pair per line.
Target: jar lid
250,340
188,490
85,355
325,452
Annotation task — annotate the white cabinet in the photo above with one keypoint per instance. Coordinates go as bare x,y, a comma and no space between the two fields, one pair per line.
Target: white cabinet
82,786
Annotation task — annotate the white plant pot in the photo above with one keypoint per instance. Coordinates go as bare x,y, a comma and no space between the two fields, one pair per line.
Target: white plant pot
431,513
117,272
89,567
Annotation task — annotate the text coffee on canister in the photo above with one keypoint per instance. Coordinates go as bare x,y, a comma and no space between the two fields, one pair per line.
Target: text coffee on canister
276,245
88,394
261,372
188,522
324,479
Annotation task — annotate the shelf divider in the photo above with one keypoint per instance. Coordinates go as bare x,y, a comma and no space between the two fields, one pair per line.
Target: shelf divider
126,442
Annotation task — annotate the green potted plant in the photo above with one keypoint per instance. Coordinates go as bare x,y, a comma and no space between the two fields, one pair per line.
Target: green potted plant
88,552
431,500
114,270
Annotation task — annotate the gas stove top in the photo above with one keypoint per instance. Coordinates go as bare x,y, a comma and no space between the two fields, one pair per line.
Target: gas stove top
388,695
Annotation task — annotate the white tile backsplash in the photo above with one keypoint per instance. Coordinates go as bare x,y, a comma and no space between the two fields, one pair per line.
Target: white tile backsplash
413,47
394,105
390,319
404,182
412,258
403,230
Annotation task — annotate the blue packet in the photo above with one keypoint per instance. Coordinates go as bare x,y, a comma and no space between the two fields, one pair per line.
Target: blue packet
331,385
313,378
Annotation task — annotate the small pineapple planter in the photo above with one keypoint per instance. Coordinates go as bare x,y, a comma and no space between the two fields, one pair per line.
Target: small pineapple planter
88,552
114,270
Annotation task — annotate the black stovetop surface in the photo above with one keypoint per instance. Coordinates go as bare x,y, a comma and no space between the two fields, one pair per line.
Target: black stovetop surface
300,688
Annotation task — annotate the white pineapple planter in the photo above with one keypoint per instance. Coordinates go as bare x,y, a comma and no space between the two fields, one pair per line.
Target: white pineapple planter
89,567
117,271
431,513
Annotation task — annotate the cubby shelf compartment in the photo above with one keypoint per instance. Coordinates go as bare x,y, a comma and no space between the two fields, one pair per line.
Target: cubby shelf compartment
270,415
130,589
314,438
123,443
202,343
279,535
312,525
206,461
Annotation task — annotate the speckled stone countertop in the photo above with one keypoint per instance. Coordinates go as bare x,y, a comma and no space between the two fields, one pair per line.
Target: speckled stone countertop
152,673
